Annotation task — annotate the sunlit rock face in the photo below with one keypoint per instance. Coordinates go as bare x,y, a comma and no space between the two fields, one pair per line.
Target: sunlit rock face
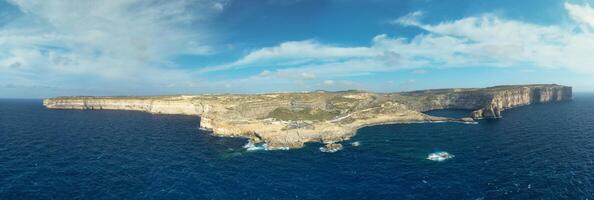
506,98
288,120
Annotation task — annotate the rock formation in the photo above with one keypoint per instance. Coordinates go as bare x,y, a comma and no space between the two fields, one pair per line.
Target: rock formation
288,120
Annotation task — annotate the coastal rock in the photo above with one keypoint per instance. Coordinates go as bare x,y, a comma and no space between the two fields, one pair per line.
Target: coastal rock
289,120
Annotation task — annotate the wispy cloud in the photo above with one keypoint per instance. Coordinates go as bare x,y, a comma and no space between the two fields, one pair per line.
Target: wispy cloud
488,40
294,52
478,41
581,13
411,19
120,42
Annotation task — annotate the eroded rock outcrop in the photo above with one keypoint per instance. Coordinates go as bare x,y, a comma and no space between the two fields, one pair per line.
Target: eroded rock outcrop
288,120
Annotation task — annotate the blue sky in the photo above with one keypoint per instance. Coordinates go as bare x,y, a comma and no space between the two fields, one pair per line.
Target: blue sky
136,47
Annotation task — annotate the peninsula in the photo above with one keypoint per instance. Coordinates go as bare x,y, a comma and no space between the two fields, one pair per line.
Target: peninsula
288,120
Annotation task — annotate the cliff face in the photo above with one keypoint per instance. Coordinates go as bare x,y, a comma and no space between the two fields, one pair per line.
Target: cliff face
152,105
486,102
288,120
505,98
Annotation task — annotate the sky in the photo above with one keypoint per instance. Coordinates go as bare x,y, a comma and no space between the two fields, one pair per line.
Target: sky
164,47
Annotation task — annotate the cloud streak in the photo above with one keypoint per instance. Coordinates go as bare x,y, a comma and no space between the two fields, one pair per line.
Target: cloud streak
478,41
293,51
581,13
107,43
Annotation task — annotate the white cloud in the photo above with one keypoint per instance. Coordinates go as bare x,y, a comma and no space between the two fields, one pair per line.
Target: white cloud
581,13
118,42
420,71
478,41
265,73
218,6
411,19
295,52
491,41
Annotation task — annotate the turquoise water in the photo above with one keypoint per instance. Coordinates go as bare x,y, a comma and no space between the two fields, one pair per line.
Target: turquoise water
535,152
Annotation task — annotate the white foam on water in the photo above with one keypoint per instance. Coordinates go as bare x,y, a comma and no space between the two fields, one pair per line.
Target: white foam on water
330,150
439,156
277,148
327,150
255,147
262,147
356,143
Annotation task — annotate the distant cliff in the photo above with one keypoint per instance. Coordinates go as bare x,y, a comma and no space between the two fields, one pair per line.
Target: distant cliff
487,102
288,120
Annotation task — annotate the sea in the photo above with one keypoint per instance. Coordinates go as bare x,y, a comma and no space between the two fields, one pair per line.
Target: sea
542,151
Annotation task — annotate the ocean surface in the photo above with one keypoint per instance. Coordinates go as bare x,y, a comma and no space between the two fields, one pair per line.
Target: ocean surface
543,151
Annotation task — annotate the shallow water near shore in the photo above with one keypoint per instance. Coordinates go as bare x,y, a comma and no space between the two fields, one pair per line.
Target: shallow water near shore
533,152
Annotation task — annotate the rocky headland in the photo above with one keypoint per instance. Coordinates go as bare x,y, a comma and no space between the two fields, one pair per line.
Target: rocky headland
288,120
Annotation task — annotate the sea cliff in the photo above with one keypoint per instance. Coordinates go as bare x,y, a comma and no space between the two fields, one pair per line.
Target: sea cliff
288,120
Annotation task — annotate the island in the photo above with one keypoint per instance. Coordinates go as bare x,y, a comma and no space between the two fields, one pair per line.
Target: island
289,120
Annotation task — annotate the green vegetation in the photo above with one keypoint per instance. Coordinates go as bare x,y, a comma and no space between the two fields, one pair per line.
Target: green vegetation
305,114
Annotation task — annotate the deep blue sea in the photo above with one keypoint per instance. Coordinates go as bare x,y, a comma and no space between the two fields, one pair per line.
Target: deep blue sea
541,151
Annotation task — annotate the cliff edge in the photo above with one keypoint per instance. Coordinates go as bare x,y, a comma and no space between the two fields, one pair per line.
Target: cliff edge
288,120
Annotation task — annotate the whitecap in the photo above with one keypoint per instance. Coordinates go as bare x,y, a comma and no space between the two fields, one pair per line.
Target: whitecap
440,156
356,143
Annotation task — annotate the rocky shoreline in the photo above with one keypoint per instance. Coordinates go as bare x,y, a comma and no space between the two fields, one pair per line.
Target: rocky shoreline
288,120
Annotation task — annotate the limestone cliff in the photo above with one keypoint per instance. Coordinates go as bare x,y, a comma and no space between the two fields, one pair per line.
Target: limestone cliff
486,102
505,98
288,120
